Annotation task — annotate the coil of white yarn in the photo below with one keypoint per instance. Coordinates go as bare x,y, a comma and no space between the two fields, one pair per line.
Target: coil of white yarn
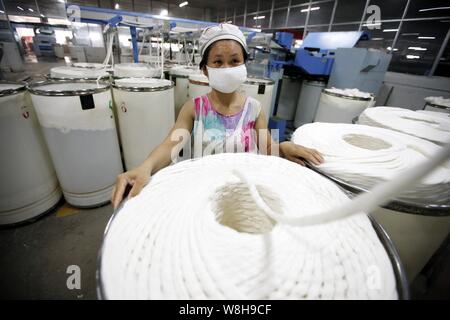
365,156
349,92
192,234
419,124
439,101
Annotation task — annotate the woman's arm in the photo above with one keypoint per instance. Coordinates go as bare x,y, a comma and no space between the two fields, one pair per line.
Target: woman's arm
287,149
159,158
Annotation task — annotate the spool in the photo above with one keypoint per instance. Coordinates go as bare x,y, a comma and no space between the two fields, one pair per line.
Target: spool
338,106
197,272
78,125
290,91
78,71
262,90
29,186
416,226
136,70
198,85
308,102
180,77
146,115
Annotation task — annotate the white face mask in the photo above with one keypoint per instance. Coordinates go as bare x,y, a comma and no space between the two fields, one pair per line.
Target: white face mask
227,80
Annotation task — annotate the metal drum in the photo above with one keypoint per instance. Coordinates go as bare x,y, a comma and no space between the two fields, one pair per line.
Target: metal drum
79,129
29,186
198,85
308,102
146,115
437,106
137,70
289,93
340,108
262,90
79,71
417,230
179,75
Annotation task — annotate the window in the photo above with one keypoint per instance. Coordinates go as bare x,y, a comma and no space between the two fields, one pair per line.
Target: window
421,9
279,18
349,10
297,17
389,9
320,13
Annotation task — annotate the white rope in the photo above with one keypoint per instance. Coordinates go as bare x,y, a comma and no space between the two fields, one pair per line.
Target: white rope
434,129
195,232
365,156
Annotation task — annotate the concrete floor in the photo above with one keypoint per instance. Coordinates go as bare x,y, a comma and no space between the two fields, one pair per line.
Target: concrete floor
34,257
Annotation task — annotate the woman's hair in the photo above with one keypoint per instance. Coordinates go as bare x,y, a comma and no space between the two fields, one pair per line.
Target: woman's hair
204,60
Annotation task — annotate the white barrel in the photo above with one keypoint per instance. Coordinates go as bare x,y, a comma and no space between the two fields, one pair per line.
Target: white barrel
438,104
289,93
339,106
78,72
179,75
262,90
146,115
28,186
308,102
198,85
136,70
79,129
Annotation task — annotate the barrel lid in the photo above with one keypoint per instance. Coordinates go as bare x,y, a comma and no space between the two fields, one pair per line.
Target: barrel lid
199,78
8,87
142,84
67,87
88,65
352,94
259,81
70,72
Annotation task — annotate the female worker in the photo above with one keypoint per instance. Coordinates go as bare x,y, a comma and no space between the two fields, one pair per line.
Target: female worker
222,116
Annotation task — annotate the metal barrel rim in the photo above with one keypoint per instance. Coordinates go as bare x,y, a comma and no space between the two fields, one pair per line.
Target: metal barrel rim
8,92
33,88
343,96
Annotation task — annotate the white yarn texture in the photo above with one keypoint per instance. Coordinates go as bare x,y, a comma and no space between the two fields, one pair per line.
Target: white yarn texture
418,124
349,92
195,233
365,156
440,101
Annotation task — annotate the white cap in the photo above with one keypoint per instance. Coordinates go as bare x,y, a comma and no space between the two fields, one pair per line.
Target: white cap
223,31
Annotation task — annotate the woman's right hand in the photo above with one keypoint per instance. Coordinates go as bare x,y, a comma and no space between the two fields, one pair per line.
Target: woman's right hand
137,179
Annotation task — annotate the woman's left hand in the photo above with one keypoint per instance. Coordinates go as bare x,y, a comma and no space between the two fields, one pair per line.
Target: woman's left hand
299,154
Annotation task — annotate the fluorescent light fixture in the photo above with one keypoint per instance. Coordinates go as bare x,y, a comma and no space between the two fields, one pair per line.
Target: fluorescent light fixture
117,6
312,9
372,24
390,49
258,17
42,15
417,48
185,3
426,38
164,12
390,30
31,10
411,56
436,8
20,8
410,34
377,39
1,11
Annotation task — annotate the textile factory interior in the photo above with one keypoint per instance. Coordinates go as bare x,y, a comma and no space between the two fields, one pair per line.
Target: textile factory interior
337,185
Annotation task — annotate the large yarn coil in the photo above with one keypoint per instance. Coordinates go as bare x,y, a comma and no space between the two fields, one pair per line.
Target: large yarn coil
419,124
195,232
365,156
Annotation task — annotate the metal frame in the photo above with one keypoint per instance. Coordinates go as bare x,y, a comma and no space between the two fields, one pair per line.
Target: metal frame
33,88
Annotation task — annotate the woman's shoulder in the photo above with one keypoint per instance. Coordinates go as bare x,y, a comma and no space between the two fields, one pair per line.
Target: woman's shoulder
254,104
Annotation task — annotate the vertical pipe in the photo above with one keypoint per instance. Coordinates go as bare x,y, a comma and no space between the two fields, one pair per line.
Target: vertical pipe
307,19
271,14
287,13
332,14
363,15
440,53
245,14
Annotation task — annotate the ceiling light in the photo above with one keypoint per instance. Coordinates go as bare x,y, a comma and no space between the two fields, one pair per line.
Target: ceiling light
312,9
429,38
42,15
258,17
436,8
372,24
164,12
117,7
390,49
377,39
410,34
185,3
1,11
29,9
417,48
390,30
410,56
20,8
